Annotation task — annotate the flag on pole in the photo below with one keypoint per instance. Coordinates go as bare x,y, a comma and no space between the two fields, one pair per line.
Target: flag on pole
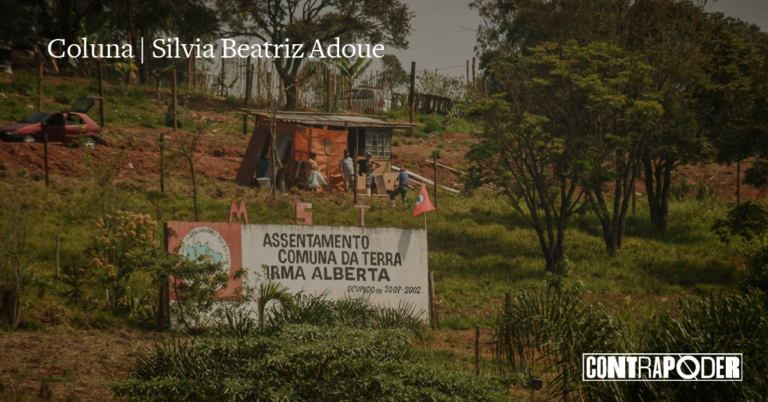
423,204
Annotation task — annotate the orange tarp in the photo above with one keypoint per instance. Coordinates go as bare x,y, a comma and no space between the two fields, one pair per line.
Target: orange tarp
329,145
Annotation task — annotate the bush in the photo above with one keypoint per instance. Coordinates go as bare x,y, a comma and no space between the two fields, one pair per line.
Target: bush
180,115
313,349
746,220
714,324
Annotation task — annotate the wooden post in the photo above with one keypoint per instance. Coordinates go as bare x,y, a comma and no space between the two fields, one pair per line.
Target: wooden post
328,91
435,167
477,350
433,318
412,95
175,123
354,159
162,310
45,153
261,313
57,257
258,84
474,72
508,300
194,66
101,91
738,182
189,70
40,86
247,95
469,83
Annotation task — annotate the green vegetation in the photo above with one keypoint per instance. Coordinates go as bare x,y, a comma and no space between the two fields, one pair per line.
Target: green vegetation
545,331
315,350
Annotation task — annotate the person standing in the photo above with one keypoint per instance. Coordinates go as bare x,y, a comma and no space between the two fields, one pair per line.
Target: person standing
402,187
348,171
315,177
370,174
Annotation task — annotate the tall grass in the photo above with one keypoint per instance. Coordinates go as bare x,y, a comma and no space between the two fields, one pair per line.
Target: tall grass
545,331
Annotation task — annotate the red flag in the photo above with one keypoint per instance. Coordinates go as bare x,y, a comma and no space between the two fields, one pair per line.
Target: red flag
423,204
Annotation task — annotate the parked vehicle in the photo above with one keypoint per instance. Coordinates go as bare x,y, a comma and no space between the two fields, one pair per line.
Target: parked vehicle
365,101
62,127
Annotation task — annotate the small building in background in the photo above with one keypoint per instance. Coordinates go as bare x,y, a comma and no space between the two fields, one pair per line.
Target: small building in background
326,134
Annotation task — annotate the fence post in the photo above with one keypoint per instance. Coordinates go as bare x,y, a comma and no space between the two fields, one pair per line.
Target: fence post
247,95
328,92
412,95
434,165
474,73
433,318
477,350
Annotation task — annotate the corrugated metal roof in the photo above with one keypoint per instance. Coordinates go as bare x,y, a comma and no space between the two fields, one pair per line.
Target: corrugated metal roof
330,119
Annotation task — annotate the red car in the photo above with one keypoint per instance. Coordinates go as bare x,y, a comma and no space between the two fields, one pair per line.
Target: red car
61,127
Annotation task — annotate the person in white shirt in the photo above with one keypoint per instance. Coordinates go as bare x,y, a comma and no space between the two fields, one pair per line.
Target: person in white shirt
347,170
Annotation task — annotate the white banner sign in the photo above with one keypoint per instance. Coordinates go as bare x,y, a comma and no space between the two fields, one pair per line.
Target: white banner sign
386,265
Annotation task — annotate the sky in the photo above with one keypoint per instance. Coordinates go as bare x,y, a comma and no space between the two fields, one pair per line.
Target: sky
444,31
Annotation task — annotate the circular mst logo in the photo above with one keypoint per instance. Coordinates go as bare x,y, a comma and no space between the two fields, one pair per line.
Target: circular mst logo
206,243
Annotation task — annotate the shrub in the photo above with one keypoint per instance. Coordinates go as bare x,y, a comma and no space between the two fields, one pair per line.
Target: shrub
180,115
714,324
544,333
300,362
746,220
308,348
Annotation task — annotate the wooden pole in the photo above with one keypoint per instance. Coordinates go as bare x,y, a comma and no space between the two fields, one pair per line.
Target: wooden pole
40,86
247,95
194,65
469,83
474,73
45,152
328,93
477,350
508,300
433,319
175,122
162,312
57,257
354,159
189,70
435,170
101,91
412,95
258,84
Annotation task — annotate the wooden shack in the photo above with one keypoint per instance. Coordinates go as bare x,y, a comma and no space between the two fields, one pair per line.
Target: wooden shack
326,134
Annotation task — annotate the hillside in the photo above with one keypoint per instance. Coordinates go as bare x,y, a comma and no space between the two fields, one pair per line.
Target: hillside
479,249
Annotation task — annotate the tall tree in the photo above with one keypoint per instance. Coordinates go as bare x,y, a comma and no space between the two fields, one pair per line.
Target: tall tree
733,102
569,112
387,22
668,35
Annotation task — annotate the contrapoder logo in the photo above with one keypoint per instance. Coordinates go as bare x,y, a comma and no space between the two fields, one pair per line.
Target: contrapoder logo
662,367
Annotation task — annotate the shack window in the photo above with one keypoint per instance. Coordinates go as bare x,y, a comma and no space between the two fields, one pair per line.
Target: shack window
377,142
